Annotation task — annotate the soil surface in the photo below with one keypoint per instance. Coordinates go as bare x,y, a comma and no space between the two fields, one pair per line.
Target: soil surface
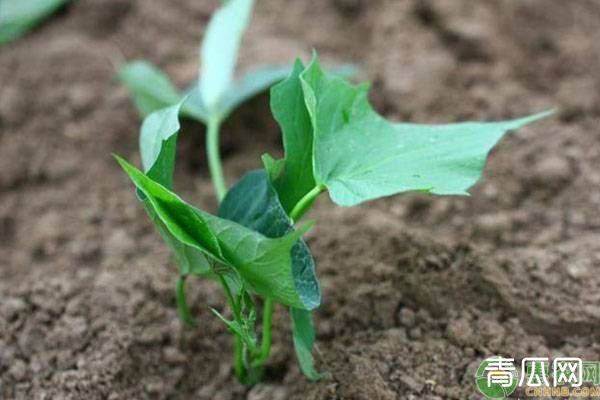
417,290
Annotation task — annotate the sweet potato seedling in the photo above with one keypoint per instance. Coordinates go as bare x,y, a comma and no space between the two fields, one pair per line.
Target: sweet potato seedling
216,94
334,142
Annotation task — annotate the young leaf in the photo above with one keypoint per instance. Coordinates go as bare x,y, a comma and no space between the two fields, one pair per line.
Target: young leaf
264,264
19,16
250,84
254,203
303,333
158,137
359,156
247,86
220,48
246,334
296,177
151,88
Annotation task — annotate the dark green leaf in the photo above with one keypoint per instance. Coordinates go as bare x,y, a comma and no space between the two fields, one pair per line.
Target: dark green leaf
264,264
253,202
220,48
303,333
19,16
359,156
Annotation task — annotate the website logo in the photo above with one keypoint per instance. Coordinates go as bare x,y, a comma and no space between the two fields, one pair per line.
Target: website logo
498,377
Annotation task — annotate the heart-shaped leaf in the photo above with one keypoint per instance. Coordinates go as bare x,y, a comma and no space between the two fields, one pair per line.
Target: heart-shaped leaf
253,202
264,264
358,155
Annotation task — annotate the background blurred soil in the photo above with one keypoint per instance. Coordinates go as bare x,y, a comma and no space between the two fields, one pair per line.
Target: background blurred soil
417,290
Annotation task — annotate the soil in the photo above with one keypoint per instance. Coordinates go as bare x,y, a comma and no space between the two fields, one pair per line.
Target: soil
417,290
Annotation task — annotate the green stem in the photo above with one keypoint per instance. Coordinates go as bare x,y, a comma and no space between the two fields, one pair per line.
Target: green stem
238,346
182,306
265,348
214,157
305,203
232,303
238,359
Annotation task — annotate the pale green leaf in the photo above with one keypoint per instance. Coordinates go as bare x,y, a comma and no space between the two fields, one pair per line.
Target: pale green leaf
358,155
220,49
150,88
158,140
19,16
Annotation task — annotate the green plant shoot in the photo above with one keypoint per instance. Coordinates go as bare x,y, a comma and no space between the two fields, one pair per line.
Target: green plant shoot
333,142
216,94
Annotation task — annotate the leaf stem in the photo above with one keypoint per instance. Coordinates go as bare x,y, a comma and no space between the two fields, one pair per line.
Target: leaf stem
232,303
265,348
182,306
238,345
214,157
238,359
305,203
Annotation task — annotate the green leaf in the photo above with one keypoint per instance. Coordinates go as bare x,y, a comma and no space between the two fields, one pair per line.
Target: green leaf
303,333
243,330
250,84
254,203
158,140
264,264
289,109
150,88
359,156
220,48
19,16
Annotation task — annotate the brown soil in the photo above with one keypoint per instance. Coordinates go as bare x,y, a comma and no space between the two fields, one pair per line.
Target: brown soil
417,290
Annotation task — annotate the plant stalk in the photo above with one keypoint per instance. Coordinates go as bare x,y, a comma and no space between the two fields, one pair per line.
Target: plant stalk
182,306
305,203
214,157
265,348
